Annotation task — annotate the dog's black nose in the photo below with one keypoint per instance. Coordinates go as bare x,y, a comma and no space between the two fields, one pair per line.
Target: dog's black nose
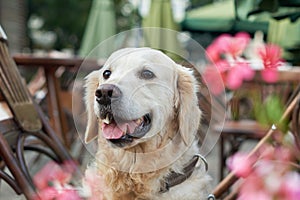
106,93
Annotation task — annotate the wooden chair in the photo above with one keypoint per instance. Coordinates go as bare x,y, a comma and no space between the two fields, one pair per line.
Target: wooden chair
240,127
24,122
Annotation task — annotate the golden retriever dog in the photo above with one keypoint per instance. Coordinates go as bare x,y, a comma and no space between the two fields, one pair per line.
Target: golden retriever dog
143,108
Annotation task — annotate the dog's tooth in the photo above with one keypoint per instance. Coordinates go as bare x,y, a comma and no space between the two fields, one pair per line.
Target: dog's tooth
107,120
138,121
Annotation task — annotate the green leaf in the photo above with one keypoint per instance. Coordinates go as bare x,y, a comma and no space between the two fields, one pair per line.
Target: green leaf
274,109
260,112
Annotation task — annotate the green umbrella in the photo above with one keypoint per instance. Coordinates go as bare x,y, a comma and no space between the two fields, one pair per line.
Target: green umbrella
160,16
100,26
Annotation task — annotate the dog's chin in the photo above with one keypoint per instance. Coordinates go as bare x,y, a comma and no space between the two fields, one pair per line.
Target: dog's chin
132,135
126,145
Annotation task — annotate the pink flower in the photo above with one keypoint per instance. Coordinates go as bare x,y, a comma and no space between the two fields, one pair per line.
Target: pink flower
234,79
269,75
270,55
225,53
239,72
213,79
232,75
271,176
68,194
240,164
48,193
266,152
255,195
281,153
222,66
52,193
50,172
271,58
226,44
252,188
52,182
69,166
233,46
284,154
290,187
213,52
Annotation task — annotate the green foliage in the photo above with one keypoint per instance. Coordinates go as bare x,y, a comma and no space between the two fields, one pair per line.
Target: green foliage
270,111
66,18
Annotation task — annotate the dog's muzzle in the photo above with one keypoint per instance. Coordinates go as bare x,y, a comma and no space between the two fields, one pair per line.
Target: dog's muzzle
120,132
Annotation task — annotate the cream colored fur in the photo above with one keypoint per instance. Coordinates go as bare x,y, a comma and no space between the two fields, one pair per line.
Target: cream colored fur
135,172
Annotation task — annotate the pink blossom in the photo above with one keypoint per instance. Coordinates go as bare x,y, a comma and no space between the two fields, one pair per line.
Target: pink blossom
239,72
272,180
255,195
52,193
48,193
246,71
227,44
290,188
69,166
225,52
52,182
67,194
50,172
270,55
271,58
271,176
240,164
234,79
266,152
222,66
232,74
283,154
252,188
213,79
233,46
269,75
213,52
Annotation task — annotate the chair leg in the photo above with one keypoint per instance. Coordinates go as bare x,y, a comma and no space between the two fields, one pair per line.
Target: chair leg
13,165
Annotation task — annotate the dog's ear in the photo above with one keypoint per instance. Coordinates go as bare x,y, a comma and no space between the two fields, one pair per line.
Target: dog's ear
186,104
91,84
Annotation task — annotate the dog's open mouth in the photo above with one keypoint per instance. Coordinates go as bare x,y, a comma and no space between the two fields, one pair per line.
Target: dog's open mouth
121,132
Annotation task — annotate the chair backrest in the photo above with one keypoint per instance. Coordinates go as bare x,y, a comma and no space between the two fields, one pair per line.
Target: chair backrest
26,129
15,92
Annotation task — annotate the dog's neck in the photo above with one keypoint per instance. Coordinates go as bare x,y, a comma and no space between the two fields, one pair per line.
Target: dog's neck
146,164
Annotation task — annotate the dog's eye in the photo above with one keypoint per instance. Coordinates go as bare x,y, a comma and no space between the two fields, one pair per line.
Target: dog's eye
106,74
147,74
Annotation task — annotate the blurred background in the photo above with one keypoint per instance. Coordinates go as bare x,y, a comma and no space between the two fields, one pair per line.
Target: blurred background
71,29
67,26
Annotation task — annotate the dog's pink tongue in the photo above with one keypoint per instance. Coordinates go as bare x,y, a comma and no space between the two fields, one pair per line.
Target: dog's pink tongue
116,131
111,131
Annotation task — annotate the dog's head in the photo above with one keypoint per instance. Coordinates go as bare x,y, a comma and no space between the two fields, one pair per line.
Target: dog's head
136,95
